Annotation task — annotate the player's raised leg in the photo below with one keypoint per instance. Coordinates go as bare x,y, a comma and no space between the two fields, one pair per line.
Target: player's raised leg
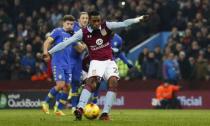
57,101
62,101
95,72
85,96
74,95
76,83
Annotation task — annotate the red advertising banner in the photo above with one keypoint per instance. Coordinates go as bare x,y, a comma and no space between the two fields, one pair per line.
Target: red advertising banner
124,100
143,99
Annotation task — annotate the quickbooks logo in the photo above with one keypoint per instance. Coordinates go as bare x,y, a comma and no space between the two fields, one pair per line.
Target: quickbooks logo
3,101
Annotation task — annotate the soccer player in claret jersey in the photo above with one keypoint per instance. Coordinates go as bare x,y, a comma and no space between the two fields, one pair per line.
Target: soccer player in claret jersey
116,45
97,36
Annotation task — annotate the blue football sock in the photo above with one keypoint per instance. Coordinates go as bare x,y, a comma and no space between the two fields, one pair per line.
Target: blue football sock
74,93
95,100
74,100
62,100
52,93
57,98
95,97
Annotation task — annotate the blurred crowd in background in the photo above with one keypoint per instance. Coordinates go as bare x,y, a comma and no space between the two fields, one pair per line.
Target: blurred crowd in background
24,25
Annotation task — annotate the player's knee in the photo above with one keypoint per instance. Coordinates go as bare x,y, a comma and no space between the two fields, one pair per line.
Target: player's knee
66,88
60,86
90,87
113,83
91,84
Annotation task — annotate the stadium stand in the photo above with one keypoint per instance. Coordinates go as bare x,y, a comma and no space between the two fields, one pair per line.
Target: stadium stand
24,24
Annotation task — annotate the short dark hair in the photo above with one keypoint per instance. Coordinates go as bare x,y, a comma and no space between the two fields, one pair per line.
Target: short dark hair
68,18
94,13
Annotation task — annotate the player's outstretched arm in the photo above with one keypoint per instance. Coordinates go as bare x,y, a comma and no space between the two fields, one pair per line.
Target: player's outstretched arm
126,23
125,59
75,38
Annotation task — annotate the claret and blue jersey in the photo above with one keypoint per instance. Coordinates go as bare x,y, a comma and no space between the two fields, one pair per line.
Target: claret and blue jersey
116,45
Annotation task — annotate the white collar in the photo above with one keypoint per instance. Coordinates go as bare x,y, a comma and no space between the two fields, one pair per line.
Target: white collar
90,29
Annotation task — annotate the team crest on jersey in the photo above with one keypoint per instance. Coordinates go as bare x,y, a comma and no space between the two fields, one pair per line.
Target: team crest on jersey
99,41
103,32
59,76
70,77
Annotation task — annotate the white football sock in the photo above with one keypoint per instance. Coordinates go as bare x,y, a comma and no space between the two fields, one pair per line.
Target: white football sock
109,100
84,98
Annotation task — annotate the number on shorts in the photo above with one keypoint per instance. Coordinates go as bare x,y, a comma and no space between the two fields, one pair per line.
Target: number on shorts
70,77
115,69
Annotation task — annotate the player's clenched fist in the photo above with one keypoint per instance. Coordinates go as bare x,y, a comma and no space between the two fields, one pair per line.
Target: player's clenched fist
143,18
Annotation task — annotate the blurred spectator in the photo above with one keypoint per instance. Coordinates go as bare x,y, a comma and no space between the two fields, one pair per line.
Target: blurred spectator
165,96
174,34
27,63
187,39
40,69
4,18
135,72
159,57
171,71
207,53
194,50
188,9
177,48
143,55
192,73
208,74
16,69
179,21
158,53
167,51
150,67
201,68
4,68
55,18
36,44
203,40
184,65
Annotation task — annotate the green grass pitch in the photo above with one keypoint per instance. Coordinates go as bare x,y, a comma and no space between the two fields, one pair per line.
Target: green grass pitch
29,117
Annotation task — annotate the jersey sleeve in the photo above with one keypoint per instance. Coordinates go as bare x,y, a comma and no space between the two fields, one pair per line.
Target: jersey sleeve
123,24
164,71
75,38
175,88
125,59
54,34
159,93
